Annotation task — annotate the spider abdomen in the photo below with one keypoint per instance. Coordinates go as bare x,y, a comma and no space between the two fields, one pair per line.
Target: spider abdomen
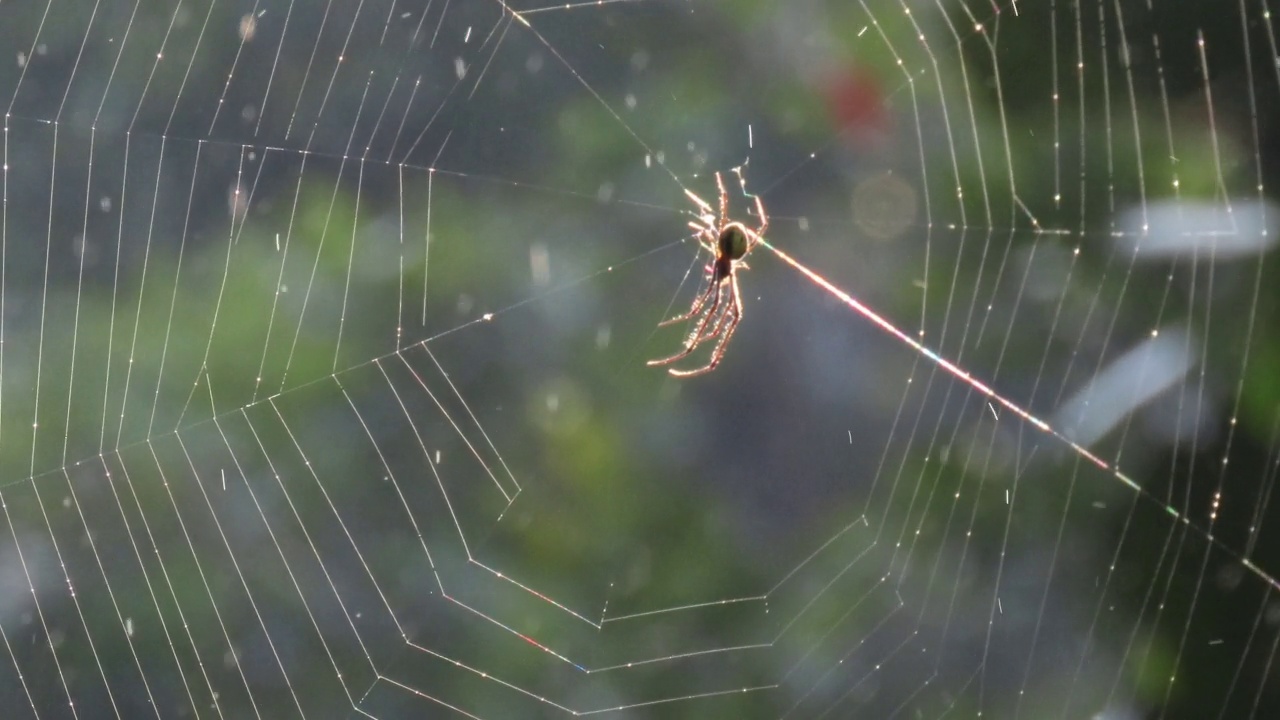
733,241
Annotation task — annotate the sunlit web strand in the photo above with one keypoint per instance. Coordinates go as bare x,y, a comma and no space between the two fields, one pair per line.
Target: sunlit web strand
560,7
978,385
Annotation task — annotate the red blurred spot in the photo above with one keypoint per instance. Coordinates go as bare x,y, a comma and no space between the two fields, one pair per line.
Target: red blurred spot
857,107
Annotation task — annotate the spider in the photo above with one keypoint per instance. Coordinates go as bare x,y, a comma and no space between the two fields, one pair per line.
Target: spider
716,310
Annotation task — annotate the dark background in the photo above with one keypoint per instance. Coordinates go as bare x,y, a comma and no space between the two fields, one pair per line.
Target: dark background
323,387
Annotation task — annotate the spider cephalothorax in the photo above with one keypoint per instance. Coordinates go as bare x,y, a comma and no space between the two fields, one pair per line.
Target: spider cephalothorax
717,309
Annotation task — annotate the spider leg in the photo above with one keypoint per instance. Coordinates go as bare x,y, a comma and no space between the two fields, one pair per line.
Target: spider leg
704,238
695,337
690,345
764,219
698,334
694,309
730,319
764,223
702,204
715,329
707,236
668,360
724,198
717,353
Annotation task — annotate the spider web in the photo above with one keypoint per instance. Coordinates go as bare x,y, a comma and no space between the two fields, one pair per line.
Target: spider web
323,332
